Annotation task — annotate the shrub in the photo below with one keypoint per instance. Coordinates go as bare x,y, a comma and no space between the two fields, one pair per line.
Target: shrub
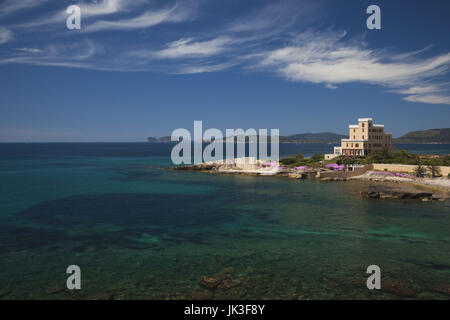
317,157
420,170
434,169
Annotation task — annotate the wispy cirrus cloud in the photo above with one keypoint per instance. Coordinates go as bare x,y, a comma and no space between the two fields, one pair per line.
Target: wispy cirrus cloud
29,50
434,94
429,98
5,35
89,9
275,16
331,59
179,12
188,47
191,69
106,7
273,38
75,55
12,6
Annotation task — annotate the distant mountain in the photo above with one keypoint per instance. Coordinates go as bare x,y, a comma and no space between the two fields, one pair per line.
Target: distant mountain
425,136
323,137
162,139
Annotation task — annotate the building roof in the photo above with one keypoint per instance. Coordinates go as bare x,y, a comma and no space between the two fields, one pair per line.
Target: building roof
364,119
353,126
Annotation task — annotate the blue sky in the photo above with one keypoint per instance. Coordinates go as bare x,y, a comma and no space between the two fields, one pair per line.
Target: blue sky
141,68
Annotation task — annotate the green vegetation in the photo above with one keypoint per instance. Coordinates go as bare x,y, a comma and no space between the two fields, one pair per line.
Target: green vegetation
426,136
383,156
434,170
400,157
323,137
420,170
298,160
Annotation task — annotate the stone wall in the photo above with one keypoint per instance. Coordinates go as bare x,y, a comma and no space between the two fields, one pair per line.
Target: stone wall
404,168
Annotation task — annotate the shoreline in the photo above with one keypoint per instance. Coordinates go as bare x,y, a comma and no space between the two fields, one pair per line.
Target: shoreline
377,186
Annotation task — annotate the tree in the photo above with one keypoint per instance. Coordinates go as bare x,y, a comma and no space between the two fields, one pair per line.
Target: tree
317,157
292,160
298,157
420,170
434,169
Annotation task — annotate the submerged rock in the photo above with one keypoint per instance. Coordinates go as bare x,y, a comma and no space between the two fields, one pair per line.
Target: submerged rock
203,295
235,293
443,288
398,288
228,284
4,293
389,194
56,289
102,296
212,282
297,175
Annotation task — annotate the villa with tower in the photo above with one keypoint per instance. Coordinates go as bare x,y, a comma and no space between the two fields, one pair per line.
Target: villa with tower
364,138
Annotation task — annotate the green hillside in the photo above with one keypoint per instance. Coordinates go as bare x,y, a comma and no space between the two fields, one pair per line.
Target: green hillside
425,136
324,137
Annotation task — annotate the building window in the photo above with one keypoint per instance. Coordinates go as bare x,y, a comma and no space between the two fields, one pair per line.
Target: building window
363,130
357,145
354,137
363,137
363,124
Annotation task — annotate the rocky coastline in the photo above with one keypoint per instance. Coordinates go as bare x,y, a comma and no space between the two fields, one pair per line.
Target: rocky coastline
375,185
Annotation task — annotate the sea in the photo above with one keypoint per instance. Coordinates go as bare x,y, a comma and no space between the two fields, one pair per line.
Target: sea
139,231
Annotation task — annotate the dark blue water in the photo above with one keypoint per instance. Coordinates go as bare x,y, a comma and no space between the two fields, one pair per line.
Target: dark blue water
140,232
21,150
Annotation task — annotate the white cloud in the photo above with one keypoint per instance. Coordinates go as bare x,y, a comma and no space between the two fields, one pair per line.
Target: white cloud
29,50
329,59
421,89
433,99
103,8
264,39
188,48
11,6
330,86
75,55
91,9
278,15
427,93
146,20
204,68
5,35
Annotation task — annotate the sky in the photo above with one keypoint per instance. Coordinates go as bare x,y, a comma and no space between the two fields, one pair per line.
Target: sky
140,68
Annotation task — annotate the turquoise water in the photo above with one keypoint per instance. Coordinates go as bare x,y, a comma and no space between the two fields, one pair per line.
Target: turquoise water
140,232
